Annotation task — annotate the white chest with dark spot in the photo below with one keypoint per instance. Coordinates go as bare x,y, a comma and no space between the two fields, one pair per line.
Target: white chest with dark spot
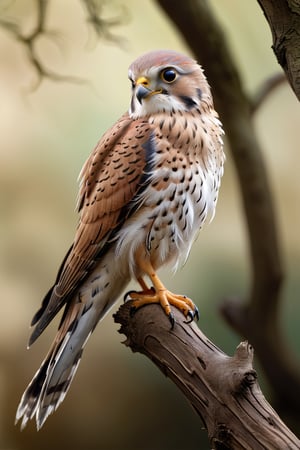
182,189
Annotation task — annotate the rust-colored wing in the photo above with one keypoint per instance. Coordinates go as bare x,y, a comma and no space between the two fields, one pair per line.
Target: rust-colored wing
110,179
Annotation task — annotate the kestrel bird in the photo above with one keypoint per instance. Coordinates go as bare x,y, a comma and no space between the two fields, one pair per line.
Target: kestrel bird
145,192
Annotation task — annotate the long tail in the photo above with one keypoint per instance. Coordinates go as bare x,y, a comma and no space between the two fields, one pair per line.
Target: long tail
51,382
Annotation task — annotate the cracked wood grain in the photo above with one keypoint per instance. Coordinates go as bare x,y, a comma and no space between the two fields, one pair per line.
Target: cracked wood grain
283,17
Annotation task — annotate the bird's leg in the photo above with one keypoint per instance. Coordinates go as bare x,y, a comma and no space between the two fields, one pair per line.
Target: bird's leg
159,294
144,286
145,290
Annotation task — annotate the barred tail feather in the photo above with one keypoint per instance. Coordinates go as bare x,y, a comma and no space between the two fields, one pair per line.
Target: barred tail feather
50,384
29,401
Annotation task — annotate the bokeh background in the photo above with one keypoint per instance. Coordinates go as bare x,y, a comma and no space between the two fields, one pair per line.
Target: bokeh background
119,400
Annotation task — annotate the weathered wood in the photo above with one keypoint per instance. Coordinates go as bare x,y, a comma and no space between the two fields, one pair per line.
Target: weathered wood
223,390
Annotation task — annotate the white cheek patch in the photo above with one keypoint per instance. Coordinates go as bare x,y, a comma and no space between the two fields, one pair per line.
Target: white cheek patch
154,104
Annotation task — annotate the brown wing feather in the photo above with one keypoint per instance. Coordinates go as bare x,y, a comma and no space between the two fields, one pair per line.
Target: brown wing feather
109,180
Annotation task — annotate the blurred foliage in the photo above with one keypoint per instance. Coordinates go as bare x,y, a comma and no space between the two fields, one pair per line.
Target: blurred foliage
119,400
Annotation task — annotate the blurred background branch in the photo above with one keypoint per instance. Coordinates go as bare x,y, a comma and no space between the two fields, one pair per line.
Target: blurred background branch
101,26
265,90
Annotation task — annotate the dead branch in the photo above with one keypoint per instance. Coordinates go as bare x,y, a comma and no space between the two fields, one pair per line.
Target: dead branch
223,390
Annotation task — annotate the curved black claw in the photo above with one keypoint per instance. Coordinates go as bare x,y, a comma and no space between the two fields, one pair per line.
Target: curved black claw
125,299
172,320
191,315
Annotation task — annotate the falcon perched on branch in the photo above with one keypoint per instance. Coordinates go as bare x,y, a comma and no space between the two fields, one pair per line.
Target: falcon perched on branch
145,192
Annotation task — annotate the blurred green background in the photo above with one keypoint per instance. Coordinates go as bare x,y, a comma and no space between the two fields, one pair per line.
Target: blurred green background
119,400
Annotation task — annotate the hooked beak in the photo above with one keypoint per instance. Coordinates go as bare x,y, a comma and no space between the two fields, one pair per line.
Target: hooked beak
142,92
142,89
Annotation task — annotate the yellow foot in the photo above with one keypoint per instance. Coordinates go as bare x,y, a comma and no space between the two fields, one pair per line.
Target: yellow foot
165,298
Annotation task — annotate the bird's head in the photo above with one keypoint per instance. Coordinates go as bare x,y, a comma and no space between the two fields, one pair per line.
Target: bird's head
165,80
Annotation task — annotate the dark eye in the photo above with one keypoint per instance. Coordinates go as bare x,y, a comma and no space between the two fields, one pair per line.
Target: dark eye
169,75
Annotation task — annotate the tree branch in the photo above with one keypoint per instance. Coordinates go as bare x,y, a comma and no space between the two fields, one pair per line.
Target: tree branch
258,320
223,390
283,17
101,26
30,40
265,90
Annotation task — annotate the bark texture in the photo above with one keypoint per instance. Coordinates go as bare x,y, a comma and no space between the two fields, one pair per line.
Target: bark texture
283,17
223,390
